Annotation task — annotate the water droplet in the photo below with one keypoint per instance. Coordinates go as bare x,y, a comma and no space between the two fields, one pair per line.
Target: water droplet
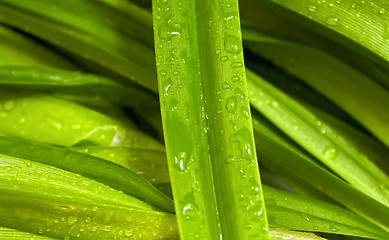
224,58
218,52
158,18
330,152
232,44
54,122
236,65
235,78
225,85
231,104
163,73
274,104
332,21
382,10
334,229
188,211
312,8
230,159
72,220
219,92
245,112
181,161
166,86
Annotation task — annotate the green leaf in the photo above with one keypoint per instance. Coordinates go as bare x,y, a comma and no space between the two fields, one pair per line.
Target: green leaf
40,199
95,168
206,120
92,41
10,234
290,211
55,121
75,83
278,154
364,99
282,234
318,138
149,163
341,28
18,50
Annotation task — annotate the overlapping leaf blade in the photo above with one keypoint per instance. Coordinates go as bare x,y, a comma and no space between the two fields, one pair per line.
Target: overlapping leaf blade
44,200
106,172
306,129
364,99
285,159
120,54
75,83
204,109
341,28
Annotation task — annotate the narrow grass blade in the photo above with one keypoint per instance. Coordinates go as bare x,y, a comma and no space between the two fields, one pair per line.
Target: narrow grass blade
12,234
364,99
19,50
285,159
24,176
95,168
122,55
367,145
149,163
41,199
75,83
340,27
55,121
306,129
290,211
130,9
295,88
204,109
282,234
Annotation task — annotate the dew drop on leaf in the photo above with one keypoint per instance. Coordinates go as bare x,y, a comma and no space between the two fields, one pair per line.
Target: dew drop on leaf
231,104
312,8
236,65
232,44
225,85
332,21
330,152
72,220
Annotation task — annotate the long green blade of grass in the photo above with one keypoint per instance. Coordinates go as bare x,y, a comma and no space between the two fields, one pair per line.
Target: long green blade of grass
306,129
19,50
205,108
42,199
95,168
364,99
55,121
151,164
285,159
75,83
12,234
343,28
131,60
290,211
